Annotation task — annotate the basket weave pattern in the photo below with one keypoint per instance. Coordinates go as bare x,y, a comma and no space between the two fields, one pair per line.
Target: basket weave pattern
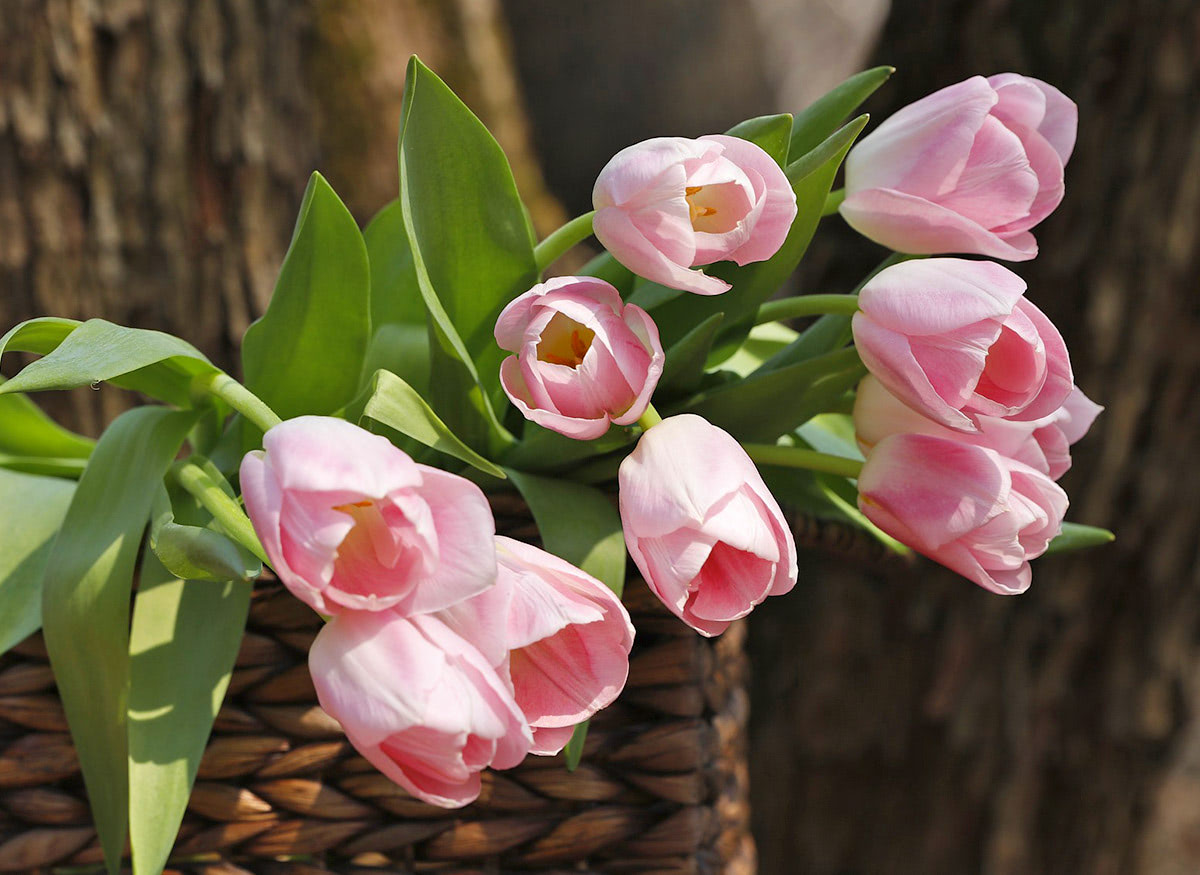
662,787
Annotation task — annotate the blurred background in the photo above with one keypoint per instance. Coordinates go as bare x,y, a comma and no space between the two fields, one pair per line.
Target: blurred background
152,158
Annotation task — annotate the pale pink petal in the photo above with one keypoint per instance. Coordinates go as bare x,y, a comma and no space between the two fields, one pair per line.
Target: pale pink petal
997,185
617,233
778,200
367,464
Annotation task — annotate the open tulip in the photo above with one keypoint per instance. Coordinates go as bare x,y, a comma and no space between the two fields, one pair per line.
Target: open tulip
965,506
669,204
954,339
704,530
583,358
351,522
970,168
563,637
418,701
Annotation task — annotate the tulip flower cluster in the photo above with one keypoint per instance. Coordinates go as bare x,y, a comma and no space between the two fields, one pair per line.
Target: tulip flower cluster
377,382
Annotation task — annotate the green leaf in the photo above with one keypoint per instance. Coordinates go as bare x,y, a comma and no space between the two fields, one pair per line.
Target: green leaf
36,507
85,602
607,268
472,248
76,354
26,431
577,523
182,647
395,295
1076,536
684,366
811,177
305,354
197,552
397,405
761,343
769,132
542,450
824,336
822,118
573,752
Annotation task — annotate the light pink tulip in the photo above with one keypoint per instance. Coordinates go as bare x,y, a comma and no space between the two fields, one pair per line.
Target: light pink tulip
954,339
669,204
701,525
970,168
562,636
965,506
1043,444
583,358
351,522
418,701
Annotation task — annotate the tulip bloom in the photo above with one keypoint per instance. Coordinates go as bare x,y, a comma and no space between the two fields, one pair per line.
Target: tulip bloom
419,702
583,358
701,525
970,168
561,635
965,506
954,339
1043,444
351,522
669,204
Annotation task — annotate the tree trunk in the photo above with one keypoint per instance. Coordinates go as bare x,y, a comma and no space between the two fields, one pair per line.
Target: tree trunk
911,722
153,154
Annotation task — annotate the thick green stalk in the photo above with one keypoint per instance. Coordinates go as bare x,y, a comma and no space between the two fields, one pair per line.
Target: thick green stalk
650,418
806,305
550,249
799,457
832,201
225,510
237,396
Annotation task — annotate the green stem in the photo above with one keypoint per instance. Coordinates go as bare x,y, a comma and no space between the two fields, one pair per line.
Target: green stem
806,305
575,231
237,396
192,476
799,457
833,201
649,419
47,466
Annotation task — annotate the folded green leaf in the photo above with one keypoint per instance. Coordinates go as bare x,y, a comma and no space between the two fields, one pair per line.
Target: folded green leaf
578,523
182,647
824,115
769,132
305,354
685,360
760,344
26,431
542,450
573,752
828,333
397,405
77,354
46,466
85,602
471,244
197,552
36,507
1076,536
607,268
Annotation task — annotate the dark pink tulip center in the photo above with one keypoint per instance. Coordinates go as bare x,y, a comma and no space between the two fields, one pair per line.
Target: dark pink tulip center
1013,367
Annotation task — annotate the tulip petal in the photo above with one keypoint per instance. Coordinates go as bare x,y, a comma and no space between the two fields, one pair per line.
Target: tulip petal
618,234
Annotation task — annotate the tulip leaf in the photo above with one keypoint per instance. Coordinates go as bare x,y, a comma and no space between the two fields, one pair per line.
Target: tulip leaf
397,405
542,450
684,365
825,335
197,552
26,431
305,354
400,342
578,523
182,646
37,507
823,116
811,177
769,132
472,249
573,752
607,268
763,342
85,602
1076,536
79,354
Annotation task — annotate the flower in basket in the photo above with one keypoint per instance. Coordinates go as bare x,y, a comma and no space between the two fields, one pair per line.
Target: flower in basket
970,168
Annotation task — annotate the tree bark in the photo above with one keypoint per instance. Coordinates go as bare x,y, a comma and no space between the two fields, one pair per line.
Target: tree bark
910,722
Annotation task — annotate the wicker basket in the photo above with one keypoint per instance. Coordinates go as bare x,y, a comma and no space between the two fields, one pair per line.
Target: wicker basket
662,788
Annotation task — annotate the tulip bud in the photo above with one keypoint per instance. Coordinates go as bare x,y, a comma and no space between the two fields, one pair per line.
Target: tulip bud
970,168
703,528
351,522
669,204
954,339
583,359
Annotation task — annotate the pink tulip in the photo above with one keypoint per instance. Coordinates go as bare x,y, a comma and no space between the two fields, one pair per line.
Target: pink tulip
583,359
1058,431
419,702
351,522
965,506
561,635
701,525
954,339
669,204
970,168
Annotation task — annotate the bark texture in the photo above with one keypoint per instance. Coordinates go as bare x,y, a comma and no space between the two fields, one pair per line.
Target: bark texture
910,722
